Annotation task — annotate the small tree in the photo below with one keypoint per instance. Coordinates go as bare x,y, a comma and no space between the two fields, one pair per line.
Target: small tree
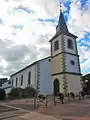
16,93
29,92
41,96
2,94
22,93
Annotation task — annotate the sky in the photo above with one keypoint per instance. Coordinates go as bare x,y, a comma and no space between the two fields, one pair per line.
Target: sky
26,26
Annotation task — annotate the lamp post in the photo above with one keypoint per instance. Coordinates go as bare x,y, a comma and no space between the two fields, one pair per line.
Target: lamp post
86,81
86,87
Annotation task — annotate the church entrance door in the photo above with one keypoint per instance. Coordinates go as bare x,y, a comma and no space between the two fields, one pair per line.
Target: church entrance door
56,86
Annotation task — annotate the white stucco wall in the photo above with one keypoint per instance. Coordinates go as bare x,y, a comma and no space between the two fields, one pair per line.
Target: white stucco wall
69,66
65,38
25,77
74,84
45,77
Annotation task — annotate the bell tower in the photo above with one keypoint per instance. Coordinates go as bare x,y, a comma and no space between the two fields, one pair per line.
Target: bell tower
66,74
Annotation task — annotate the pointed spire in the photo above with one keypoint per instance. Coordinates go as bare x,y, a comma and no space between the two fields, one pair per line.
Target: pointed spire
61,23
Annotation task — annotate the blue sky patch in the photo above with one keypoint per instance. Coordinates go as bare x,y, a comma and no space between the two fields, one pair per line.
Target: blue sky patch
22,8
53,20
83,3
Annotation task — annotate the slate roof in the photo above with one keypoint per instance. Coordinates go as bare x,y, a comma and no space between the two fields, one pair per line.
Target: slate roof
61,23
62,28
29,65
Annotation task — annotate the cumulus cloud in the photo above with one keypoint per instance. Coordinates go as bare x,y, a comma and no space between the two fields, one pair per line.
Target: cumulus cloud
78,20
16,57
22,35
28,25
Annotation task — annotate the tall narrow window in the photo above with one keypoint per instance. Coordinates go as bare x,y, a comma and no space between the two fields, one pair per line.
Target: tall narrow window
16,81
29,78
56,45
12,82
21,80
70,44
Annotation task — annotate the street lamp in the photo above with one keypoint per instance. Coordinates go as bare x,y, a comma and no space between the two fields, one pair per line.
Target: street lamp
86,81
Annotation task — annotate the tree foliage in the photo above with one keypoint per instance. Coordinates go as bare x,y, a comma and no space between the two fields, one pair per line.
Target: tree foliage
22,93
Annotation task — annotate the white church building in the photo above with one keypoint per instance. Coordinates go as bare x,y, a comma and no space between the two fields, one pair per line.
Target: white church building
36,75
59,72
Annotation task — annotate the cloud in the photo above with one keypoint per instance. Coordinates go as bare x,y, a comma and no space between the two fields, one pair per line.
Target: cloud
28,25
84,53
17,26
20,8
80,17
1,21
78,24
16,57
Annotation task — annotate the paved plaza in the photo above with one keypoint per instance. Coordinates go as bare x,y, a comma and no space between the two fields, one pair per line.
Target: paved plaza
24,110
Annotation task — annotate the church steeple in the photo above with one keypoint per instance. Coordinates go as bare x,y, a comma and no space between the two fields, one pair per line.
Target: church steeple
61,23
65,67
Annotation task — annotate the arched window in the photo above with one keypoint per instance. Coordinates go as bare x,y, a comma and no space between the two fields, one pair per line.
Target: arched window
29,78
21,80
12,82
56,86
16,81
70,44
56,45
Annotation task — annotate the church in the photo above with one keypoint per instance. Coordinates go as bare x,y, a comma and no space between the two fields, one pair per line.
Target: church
59,72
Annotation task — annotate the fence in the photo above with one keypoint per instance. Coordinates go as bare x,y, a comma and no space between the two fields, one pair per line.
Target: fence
54,99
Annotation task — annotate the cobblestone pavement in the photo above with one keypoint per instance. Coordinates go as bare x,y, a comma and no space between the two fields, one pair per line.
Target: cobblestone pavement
5,109
74,110
7,112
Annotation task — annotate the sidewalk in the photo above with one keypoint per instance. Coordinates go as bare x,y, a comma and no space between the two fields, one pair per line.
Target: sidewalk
38,116
33,116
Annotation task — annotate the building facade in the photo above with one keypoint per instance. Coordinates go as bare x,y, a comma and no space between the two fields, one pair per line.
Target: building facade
2,81
58,73
86,81
36,75
7,86
66,74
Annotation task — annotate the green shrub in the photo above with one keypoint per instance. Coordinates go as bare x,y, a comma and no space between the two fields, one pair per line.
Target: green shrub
40,96
22,93
16,93
29,92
